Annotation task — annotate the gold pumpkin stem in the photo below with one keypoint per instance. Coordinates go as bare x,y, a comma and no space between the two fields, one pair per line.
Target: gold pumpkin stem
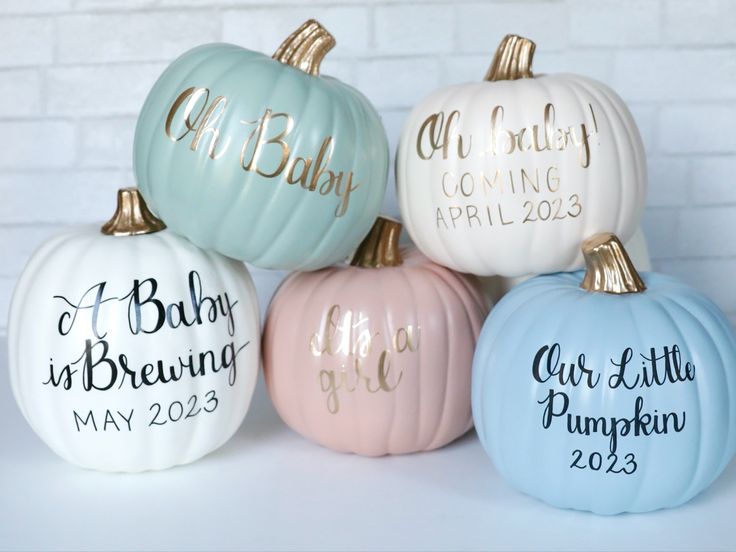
306,47
381,246
513,59
132,216
608,267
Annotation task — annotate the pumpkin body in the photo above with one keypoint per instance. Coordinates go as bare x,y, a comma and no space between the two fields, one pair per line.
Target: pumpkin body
633,405
508,177
132,353
374,360
259,160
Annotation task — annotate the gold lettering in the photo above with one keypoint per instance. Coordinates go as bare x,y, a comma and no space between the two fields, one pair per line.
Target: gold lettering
204,122
438,132
265,150
291,178
191,96
439,135
433,124
207,127
259,131
553,180
444,188
384,367
347,335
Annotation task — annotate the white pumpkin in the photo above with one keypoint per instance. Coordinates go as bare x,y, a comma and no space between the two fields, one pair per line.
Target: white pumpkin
508,176
132,349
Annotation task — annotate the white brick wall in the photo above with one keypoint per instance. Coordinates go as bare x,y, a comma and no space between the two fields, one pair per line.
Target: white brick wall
73,74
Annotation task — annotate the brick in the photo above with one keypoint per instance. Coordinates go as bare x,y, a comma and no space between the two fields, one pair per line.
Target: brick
465,68
669,181
699,22
596,64
660,226
34,6
411,29
645,117
697,129
60,197
614,22
107,142
26,41
713,181
133,37
7,285
397,83
263,30
675,74
100,5
20,90
100,90
340,69
37,144
481,26
706,232
710,276
393,120
18,244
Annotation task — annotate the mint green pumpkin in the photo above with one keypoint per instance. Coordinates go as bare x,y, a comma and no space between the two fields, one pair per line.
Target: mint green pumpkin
261,158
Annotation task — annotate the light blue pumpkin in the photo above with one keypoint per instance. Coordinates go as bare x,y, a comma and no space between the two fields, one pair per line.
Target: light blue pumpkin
262,159
556,439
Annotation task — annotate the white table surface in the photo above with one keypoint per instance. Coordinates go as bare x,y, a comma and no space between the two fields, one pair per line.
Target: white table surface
270,489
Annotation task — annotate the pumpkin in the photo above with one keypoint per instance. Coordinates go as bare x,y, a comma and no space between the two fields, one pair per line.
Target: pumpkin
132,349
497,286
508,176
374,357
606,390
262,159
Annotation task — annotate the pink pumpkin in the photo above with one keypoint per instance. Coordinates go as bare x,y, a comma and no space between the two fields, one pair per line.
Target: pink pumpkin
375,357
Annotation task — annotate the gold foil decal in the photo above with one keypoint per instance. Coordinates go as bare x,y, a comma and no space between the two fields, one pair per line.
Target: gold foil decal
201,118
347,334
260,129
438,136
438,132
203,124
475,198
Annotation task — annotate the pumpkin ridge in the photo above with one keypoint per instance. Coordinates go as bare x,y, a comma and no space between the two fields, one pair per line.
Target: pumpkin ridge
358,108
597,95
719,466
320,246
452,282
686,489
278,194
628,124
153,150
209,184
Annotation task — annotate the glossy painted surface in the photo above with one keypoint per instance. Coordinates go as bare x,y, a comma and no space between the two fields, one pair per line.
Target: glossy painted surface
91,319
417,322
631,469
518,196
266,221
